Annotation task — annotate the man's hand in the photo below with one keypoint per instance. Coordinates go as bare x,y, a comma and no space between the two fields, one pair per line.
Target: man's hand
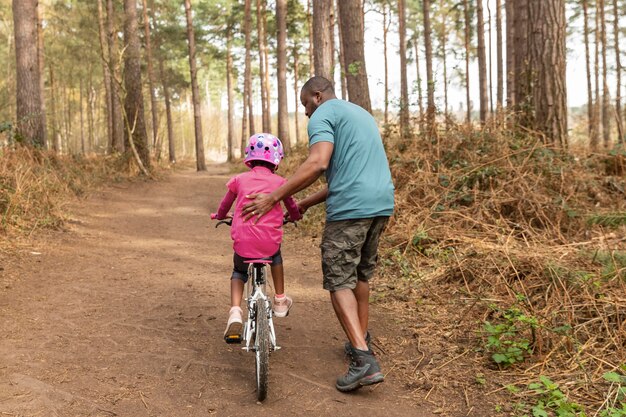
259,205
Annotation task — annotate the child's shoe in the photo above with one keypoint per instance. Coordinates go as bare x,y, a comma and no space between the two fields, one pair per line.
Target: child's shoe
234,326
282,306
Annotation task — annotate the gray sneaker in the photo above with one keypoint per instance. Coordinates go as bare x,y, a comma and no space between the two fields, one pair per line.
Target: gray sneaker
363,370
347,347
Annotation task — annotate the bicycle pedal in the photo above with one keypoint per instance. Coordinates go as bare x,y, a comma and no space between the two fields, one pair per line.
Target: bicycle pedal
233,339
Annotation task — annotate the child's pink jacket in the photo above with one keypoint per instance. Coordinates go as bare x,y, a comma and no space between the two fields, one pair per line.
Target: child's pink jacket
262,239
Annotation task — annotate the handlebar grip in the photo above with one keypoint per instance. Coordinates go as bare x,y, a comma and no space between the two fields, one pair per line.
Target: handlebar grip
213,216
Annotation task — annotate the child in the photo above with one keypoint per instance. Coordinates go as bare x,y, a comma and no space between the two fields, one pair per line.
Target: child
261,239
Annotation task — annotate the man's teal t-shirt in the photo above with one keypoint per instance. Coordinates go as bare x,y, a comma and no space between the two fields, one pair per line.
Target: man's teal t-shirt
358,176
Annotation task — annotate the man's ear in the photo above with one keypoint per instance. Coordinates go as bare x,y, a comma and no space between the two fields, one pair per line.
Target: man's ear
318,97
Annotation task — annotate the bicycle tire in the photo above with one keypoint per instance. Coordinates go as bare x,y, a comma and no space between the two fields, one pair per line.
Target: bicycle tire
262,354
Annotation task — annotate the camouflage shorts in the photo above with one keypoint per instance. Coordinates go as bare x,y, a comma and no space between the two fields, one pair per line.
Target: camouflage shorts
350,251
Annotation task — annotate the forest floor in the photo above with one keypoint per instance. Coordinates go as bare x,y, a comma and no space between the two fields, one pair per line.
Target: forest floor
122,314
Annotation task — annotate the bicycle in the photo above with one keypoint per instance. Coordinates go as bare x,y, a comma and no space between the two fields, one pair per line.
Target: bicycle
259,334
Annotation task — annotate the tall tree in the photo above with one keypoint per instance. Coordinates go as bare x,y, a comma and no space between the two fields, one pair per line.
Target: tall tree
386,18
595,137
116,98
247,126
281,51
482,63
309,22
136,136
342,58
430,82
351,12
443,41
591,121
31,119
618,74
404,86
499,63
197,109
265,105
104,53
230,93
151,76
521,65
42,68
606,104
510,53
418,77
467,41
322,38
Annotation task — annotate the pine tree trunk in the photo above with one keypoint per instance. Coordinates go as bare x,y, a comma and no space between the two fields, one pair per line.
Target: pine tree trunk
151,77
618,75
405,129
510,53
30,117
296,88
430,82
281,51
444,54
136,137
56,137
116,97
342,58
490,60
386,59
168,113
352,33
195,92
499,63
591,128
230,94
467,40
309,22
268,89
246,125
595,137
547,57
265,117
418,77
522,69
106,59
606,104
42,68
332,40
82,128
482,63
322,38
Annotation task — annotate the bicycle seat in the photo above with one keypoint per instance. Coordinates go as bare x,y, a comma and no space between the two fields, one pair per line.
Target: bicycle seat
259,261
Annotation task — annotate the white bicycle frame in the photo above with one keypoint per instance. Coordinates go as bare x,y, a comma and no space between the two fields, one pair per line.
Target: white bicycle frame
257,302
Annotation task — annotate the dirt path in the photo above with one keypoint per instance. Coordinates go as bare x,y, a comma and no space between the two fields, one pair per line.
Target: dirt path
123,315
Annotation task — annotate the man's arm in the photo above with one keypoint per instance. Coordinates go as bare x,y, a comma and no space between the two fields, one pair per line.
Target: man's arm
306,174
313,200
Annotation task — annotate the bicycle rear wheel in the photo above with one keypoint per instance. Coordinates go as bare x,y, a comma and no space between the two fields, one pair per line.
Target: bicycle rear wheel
262,357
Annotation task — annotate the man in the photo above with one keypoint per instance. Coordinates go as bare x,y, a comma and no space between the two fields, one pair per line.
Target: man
345,144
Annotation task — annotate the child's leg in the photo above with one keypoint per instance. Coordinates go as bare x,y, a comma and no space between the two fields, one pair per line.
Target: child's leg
278,276
236,292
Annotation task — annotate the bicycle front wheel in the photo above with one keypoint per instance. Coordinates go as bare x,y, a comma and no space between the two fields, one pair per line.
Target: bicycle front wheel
262,342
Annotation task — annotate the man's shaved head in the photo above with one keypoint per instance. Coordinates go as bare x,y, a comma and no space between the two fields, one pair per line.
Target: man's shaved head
318,84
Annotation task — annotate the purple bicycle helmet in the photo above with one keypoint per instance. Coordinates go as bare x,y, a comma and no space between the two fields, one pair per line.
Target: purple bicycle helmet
264,147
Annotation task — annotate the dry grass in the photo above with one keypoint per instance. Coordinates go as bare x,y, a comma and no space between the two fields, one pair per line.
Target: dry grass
497,227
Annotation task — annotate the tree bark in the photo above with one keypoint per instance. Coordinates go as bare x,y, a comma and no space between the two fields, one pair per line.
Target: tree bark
420,98
618,75
30,117
265,108
352,33
116,97
268,89
342,58
42,68
195,92
591,128
595,137
309,22
106,59
467,41
547,57
499,63
510,53
151,77
296,88
405,129
490,60
136,137
230,94
56,138
430,110
444,54
82,128
246,125
606,104
482,63
522,65
386,59
322,38
281,51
